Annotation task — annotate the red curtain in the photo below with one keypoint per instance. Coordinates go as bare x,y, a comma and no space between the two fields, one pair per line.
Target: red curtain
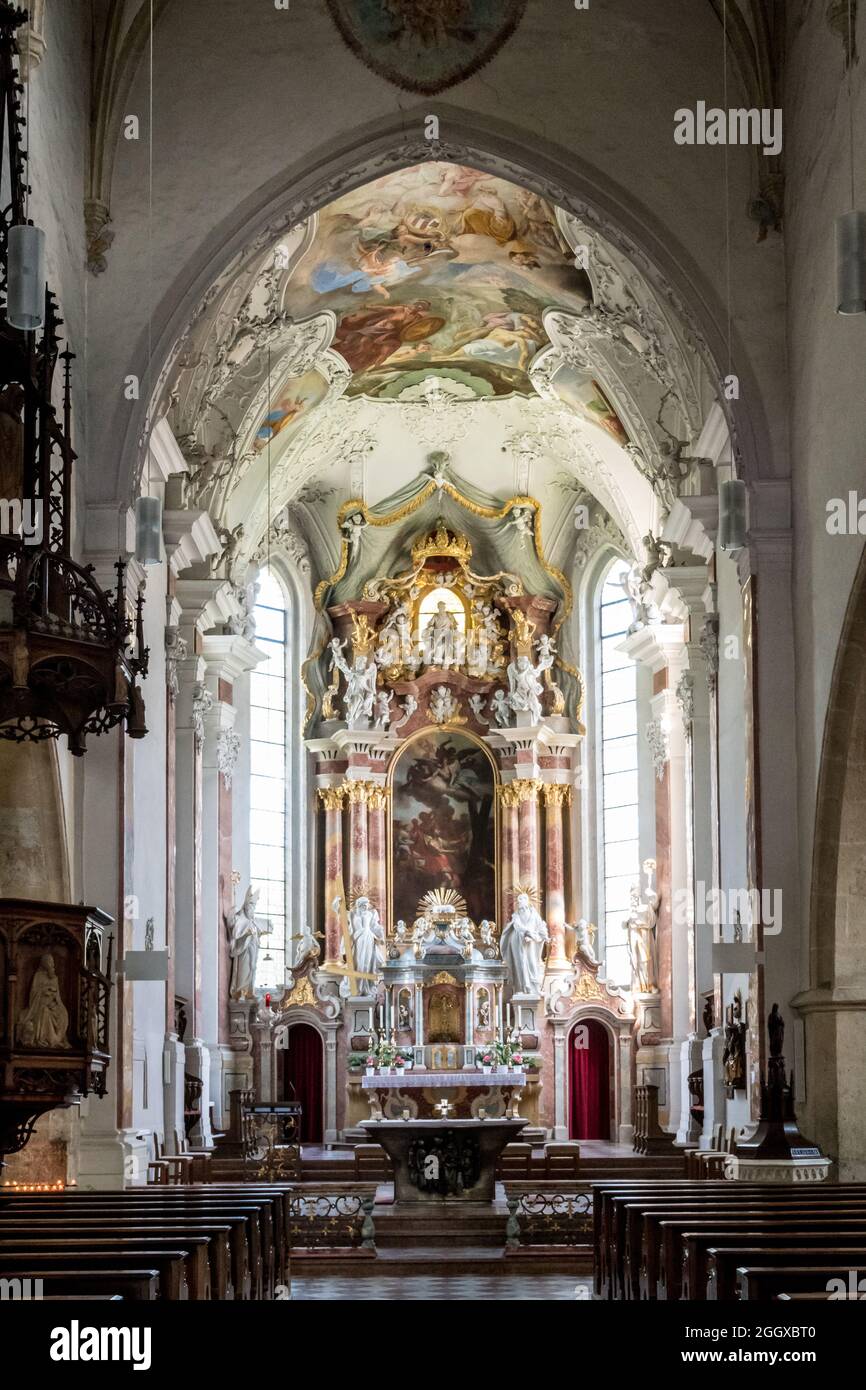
303,1078
590,1082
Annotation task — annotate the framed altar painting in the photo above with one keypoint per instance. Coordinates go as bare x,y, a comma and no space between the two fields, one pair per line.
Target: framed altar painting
443,824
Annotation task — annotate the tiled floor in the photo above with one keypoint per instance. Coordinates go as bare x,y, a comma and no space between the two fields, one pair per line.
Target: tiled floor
442,1288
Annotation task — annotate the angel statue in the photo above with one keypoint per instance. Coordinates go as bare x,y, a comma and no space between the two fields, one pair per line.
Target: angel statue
383,708
360,677
583,938
521,945
501,708
525,689
244,932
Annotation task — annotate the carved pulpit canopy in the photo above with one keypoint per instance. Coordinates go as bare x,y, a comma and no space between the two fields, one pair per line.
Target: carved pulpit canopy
443,611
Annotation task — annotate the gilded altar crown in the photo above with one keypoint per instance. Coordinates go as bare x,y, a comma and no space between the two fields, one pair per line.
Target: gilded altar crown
442,542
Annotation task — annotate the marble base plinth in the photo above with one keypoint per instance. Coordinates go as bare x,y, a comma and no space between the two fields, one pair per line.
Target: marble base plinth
443,1160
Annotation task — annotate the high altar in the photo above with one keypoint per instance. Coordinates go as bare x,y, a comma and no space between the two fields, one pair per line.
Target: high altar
444,715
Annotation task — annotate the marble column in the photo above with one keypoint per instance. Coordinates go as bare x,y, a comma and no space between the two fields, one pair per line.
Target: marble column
557,795
359,852
332,799
508,865
377,800
527,832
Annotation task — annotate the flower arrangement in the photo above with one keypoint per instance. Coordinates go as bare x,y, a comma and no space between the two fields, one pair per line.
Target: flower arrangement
484,1057
386,1053
503,1052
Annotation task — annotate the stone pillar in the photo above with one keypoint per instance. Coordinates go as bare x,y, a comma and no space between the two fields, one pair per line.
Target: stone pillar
332,799
712,1052
527,832
561,1028
377,800
557,795
688,1131
508,862
661,647
359,860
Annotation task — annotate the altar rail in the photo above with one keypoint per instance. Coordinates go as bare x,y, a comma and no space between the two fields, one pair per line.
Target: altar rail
549,1218
332,1221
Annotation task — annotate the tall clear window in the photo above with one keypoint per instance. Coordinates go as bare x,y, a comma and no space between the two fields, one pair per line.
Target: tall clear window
619,771
268,778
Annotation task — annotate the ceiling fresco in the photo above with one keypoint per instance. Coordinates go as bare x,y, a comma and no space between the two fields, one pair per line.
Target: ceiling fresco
438,267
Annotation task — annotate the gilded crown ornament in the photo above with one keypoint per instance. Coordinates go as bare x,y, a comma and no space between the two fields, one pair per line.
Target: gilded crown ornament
442,542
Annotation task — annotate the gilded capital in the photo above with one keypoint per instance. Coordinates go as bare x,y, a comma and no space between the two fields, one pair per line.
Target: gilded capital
508,795
377,797
556,794
332,798
527,788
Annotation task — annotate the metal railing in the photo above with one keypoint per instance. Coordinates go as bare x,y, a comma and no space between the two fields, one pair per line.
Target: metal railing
335,1221
549,1218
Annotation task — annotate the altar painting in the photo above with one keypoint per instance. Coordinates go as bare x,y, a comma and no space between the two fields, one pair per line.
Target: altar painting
443,825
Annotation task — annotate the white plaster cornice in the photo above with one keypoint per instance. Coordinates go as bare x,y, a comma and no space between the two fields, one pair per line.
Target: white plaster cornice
230,656
190,539
206,603
692,524
165,455
658,645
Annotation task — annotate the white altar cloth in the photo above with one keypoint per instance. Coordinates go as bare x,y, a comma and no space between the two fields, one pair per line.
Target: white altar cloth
445,1080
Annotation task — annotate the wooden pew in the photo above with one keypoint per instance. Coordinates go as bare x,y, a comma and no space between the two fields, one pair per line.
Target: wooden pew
169,1265
624,1214
242,1220
129,1285
659,1232
663,1252
622,1210
772,1234
828,1247
40,1236
264,1209
760,1283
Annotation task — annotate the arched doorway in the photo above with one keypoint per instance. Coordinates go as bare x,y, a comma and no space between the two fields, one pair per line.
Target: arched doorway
303,1078
589,1081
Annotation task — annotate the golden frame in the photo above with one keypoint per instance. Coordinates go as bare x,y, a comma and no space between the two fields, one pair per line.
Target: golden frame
427,730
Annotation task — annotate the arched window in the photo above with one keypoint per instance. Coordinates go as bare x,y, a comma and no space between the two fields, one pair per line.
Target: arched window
268,780
618,799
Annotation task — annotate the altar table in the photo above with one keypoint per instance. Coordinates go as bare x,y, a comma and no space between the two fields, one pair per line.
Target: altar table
471,1090
443,1160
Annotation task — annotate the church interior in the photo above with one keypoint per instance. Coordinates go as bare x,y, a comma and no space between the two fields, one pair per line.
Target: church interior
432,630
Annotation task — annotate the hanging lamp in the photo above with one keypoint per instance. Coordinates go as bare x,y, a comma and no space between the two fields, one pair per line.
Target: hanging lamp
851,226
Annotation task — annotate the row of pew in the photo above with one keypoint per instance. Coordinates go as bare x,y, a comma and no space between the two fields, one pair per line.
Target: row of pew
719,1240
223,1241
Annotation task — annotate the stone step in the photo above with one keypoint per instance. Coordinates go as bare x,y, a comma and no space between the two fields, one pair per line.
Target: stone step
432,1259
